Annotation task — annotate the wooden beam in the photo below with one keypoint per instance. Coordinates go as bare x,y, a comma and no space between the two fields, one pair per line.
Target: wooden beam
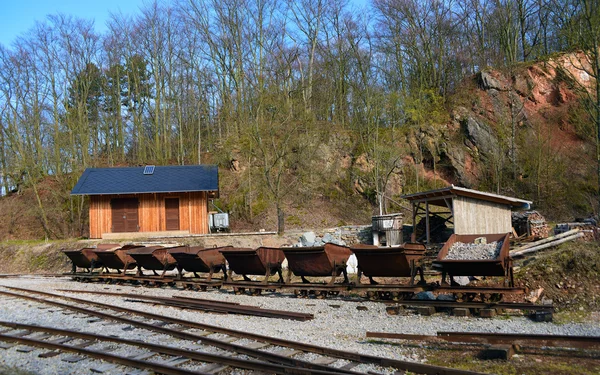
427,222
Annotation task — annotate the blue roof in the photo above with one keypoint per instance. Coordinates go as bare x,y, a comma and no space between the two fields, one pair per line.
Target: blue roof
165,179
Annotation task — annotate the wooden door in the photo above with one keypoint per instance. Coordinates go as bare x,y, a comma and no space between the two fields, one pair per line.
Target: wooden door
172,213
124,215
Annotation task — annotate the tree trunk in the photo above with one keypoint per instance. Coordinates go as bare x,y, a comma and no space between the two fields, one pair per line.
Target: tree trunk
280,220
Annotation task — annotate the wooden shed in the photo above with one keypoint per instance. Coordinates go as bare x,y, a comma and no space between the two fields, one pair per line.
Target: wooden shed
469,211
171,199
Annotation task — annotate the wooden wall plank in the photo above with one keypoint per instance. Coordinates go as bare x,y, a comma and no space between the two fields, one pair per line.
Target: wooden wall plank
472,216
193,212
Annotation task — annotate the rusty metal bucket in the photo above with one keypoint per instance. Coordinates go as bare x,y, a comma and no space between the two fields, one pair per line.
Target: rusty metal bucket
400,261
154,258
117,259
500,266
321,261
199,259
83,258
262,261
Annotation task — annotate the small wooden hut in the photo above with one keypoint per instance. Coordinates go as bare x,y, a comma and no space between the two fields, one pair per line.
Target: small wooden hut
469,211
169,199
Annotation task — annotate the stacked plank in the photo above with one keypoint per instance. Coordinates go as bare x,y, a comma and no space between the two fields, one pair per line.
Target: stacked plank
530,224
547,243
591,232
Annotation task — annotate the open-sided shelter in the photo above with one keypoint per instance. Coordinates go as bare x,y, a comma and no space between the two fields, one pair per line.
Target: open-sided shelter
149,199
470,211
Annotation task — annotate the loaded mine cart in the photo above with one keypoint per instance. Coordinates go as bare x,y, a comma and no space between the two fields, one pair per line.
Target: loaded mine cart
86,257
153,258
318,261
117,259
264,261
477,255
199,259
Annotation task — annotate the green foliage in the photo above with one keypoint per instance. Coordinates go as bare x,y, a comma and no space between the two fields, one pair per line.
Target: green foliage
425,107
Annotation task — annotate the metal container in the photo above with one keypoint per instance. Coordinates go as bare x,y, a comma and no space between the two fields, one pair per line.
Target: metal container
154,258
389,226
199,259
118,258
402,261
84,258
500,266
262,261
387,222
328,260
219,221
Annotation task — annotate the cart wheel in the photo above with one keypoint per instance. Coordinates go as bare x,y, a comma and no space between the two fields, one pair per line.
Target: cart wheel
321,294
372,296
469,297
334,293
459,297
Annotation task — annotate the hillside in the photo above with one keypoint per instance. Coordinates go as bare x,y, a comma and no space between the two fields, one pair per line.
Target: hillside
522,132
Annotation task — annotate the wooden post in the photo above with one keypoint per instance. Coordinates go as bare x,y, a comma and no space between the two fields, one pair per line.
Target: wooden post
427,222
413,236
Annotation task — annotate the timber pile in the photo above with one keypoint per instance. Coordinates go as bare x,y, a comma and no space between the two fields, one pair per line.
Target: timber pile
547,243
590,231
530,224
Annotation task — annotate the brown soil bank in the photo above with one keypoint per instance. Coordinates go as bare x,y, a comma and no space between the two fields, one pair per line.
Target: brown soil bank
569,275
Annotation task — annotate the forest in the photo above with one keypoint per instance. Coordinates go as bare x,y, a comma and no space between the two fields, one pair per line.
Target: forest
265,83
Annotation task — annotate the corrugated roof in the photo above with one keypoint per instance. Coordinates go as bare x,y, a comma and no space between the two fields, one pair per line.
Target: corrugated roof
437,196
132,180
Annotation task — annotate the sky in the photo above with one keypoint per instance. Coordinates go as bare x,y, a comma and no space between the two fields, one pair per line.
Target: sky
18,16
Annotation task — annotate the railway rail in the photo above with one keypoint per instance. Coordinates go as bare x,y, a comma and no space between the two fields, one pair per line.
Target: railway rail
320,290
401,295
57,341
558,341
327,357
206,305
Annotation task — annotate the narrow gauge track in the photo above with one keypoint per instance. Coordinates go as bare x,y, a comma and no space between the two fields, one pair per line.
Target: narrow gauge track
476,305
56,340
375,292
205,305
293,347
538,340
381,293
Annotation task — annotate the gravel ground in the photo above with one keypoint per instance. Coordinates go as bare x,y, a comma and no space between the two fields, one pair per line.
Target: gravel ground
336,324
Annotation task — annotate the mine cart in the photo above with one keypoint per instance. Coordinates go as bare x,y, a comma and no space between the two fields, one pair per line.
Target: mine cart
199,259
262,261
320,261
154,258
86,257
397,261
117,259
475,255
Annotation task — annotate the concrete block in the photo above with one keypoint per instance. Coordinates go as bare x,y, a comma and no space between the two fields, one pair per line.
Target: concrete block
425,310
460,311
503,352
487,313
